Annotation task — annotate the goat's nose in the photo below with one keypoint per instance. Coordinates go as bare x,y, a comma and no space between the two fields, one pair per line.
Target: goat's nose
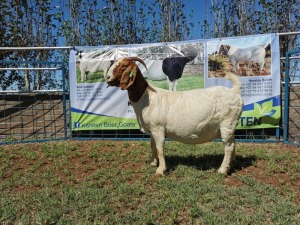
107,77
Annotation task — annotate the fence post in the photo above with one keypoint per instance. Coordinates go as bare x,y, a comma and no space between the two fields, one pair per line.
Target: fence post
64,101
286,98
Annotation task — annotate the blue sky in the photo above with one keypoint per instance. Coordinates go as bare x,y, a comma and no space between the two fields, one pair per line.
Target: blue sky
198,6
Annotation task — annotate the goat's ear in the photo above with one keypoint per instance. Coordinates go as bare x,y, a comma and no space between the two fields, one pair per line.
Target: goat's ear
128,76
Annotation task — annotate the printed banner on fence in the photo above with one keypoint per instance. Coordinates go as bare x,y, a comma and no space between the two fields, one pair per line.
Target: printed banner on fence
96,107
196,64
256,59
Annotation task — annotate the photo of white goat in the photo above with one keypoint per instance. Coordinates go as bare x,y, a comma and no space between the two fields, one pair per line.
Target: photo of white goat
191,117
173,66
250,55
89,65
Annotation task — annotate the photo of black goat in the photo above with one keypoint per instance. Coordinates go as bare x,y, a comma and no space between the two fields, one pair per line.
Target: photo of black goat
173,66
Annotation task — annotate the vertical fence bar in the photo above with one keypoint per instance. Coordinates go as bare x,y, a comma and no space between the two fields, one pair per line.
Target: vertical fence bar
278,134
64,101
286,98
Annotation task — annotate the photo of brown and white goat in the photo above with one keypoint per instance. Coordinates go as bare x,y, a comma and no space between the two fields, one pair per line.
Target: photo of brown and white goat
191,117
249,56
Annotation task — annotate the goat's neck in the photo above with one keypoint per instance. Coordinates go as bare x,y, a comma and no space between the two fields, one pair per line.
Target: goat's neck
138,88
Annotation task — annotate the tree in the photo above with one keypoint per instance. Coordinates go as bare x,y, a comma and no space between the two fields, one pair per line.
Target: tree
244,17
116,22
27,24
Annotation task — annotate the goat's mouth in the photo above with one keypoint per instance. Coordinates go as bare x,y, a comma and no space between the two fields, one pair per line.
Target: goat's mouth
113,83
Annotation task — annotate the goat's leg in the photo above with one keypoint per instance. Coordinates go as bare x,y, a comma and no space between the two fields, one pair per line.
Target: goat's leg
82,76
85,75
261,66
229,151
154,159
249,71
170,84
174,85
159,141
235,66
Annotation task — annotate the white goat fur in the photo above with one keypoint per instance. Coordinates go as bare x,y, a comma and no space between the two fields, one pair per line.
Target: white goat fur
191,117
249,55
93,65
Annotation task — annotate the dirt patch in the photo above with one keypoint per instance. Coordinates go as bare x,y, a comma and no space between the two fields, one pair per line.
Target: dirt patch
243,71
280,177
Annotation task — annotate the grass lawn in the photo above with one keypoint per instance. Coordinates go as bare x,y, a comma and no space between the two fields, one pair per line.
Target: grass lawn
106,182
185,83
91,77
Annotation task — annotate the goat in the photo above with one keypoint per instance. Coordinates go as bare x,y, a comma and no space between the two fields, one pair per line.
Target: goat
173,66
87,66
249,55
191,117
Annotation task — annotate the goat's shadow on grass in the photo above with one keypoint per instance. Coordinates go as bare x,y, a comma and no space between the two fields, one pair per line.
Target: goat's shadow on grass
208,162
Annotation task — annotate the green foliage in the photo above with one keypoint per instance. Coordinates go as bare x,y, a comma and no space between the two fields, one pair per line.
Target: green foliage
27,24
115,22
244,17
216,62
187,82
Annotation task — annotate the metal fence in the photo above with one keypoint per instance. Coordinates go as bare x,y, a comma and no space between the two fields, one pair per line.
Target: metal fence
34,115
42,115
291,114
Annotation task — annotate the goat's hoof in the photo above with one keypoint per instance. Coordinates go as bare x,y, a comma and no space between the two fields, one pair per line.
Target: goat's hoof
154,163
223,170
159,172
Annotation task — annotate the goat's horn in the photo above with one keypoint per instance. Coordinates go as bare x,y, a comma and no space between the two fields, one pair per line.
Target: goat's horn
139,60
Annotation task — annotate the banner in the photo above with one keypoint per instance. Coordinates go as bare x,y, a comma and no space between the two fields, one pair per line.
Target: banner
177,66
256,59
96,107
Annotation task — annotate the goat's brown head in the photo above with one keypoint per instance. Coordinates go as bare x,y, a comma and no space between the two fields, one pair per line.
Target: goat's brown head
223,50
123,72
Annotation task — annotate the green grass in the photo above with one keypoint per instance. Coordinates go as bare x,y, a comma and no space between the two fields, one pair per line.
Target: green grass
91,77
184,83
106,182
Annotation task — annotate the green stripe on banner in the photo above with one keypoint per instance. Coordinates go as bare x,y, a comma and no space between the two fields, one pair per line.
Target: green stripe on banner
96,122
257,118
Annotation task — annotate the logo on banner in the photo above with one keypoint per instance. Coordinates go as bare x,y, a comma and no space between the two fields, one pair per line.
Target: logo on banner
262,113
76,124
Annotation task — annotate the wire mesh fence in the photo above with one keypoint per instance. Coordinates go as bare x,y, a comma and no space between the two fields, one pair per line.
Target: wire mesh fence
33,101
291,89
32,116
37,109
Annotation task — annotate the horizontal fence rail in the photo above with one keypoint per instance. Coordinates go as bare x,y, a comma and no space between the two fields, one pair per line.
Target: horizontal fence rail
43,115
34,115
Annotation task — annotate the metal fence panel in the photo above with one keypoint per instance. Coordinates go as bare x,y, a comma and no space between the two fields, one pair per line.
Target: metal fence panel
34,115
291,115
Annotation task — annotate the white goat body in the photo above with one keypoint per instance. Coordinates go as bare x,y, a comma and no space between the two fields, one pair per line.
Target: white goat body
191,117
93,65
249,55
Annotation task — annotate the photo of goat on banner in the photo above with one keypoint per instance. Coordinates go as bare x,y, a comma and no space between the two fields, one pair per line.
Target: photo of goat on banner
242,58
256,60
93,64
175,67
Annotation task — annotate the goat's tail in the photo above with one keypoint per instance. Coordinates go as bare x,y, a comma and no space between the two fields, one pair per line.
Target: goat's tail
237,84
